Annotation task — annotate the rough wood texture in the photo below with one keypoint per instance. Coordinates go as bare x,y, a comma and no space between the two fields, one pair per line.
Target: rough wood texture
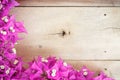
87,36
69,2
84,33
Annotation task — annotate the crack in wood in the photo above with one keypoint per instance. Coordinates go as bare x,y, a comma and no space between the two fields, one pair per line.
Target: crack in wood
63,33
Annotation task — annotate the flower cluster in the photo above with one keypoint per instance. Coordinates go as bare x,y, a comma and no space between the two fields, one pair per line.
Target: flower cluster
11,66
6,5
9,28
56,69
10,69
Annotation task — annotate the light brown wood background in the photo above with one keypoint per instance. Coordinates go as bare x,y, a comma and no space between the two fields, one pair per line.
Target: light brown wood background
82,32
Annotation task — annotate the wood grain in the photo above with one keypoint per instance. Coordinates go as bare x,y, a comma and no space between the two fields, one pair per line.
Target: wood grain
90,33
69,2
82,36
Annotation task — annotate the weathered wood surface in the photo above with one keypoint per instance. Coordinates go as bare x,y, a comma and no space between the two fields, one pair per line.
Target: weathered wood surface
69,2
80,35
84,33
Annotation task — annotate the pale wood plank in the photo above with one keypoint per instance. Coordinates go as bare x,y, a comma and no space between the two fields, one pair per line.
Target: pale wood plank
94,33
116,2
69,2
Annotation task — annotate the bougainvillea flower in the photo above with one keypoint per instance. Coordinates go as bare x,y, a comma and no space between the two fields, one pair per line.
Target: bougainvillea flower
36,69
64,68
72,75
6,5
86,74
9,35
10,68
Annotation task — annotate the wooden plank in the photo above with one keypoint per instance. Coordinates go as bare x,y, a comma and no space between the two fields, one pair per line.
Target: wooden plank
69,2
108,67
116,2
71,33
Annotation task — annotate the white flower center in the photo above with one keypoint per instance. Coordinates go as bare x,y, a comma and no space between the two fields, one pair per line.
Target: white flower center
53,73
85,73
14,50
65,64
7,71
12,29
44,60
15,62
54,70
2,67
5,19
3,32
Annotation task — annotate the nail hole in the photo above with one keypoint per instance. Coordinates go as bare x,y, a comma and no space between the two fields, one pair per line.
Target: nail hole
105,14
40,46
69,33
105,69
105,51
63,33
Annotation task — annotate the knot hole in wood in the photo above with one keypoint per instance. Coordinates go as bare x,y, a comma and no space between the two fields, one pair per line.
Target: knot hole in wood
64,33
